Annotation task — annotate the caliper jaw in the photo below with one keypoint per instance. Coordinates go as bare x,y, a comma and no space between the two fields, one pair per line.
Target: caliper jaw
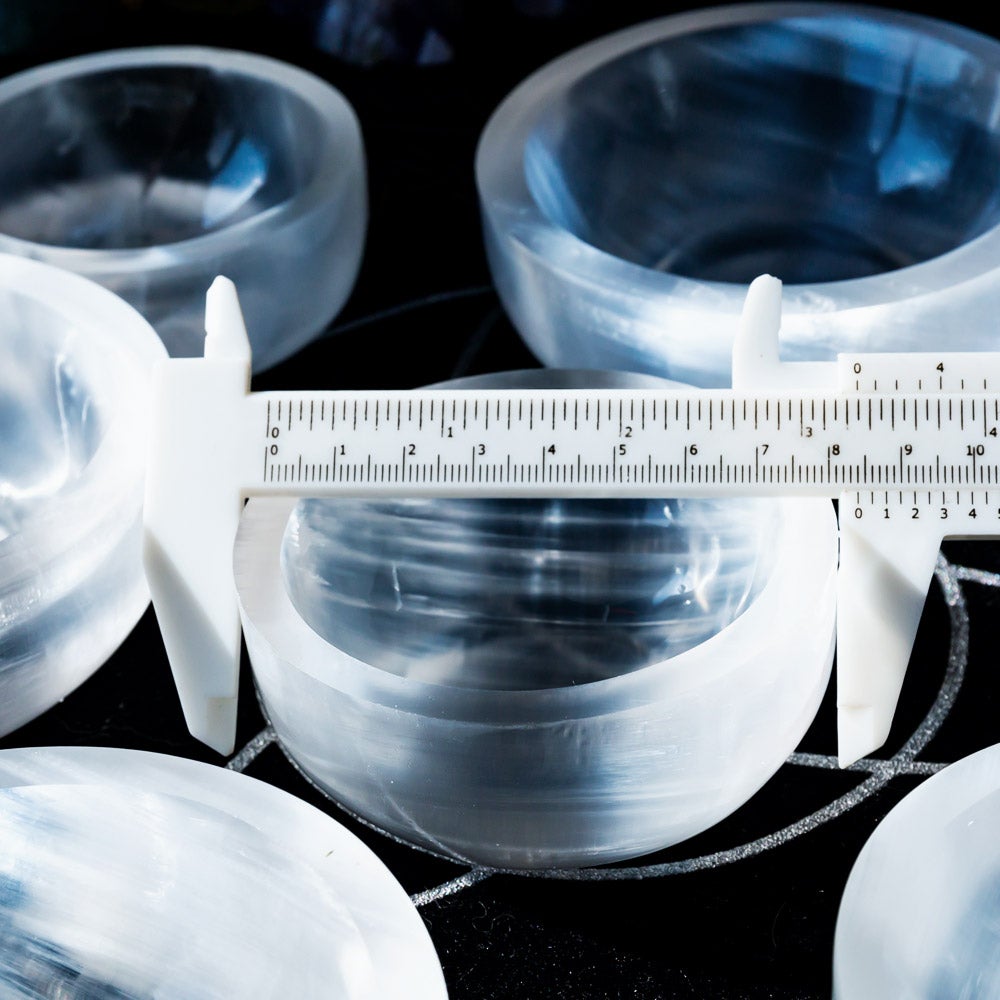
885,569
191,513
885,565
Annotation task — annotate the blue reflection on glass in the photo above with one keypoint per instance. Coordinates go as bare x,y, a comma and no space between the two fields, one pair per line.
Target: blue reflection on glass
243,174
818,148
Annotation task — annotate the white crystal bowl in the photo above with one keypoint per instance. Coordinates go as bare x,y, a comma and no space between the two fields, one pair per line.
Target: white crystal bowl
153,170
534,684
920,916
75,373
128,874
632,188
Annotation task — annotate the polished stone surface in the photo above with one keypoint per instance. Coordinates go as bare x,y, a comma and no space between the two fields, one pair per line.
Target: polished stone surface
75,371
154,170
137,876
920,917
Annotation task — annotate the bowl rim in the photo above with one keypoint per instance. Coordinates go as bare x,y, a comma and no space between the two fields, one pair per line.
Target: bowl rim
800,581
940,800
509,205
333,168
350,870
102,502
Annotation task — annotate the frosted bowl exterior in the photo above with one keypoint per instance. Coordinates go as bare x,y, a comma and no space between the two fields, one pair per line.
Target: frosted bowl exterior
920,916
75,374
131,875
534,684
153,170
632,188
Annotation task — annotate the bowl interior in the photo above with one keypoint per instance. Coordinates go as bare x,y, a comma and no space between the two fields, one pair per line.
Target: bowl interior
139,156
817,148
52,406
524,594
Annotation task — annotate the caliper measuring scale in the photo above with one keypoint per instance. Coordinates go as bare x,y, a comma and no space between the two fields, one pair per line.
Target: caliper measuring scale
908,444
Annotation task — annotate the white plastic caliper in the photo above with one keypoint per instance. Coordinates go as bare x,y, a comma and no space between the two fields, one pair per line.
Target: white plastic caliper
907,443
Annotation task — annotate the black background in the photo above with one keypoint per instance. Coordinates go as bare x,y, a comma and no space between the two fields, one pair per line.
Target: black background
758,927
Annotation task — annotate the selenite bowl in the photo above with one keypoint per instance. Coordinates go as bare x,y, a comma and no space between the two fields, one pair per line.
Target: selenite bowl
153,170
631,189
75,374
920,916
128,875
539,683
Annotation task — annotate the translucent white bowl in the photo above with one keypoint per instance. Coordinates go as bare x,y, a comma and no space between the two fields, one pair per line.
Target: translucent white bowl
153,170
130,875
75,373
539,683
632,188
920,917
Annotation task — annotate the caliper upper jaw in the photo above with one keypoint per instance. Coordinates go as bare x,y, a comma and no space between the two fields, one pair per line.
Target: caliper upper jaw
191,513
756,363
